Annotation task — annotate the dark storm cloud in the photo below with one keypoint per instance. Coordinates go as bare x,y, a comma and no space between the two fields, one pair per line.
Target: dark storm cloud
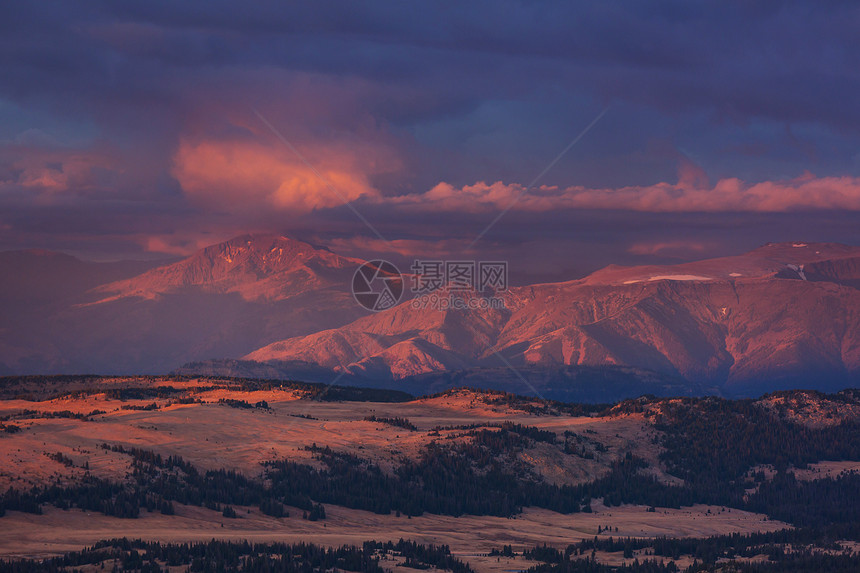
125,122
787,61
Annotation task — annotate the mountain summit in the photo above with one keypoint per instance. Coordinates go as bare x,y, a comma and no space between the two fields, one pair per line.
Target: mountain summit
257,267
224,300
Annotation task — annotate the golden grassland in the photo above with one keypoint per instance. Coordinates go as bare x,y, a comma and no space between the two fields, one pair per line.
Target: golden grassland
212,435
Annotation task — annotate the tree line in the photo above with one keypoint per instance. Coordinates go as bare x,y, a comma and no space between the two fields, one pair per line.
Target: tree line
147,556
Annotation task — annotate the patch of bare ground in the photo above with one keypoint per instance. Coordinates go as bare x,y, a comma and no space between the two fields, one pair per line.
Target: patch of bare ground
826,469
58,531
820,470
483,404
812,409
617,559
852,547
619,435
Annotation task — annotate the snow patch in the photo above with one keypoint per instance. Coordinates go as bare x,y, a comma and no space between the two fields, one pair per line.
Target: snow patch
799,270
670,278
799,245
679,278
735,275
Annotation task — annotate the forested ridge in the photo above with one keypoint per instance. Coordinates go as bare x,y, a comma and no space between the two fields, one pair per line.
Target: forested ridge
788,550
154,557
141,387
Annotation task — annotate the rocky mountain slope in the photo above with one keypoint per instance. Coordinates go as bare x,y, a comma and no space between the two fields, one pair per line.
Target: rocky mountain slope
256,267
783,315
778,316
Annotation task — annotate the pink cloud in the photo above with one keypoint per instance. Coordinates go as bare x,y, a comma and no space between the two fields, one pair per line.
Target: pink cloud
248,176
229,159
688,195
181,244
48,172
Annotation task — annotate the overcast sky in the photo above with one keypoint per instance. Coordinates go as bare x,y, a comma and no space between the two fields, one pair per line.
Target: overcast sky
153,128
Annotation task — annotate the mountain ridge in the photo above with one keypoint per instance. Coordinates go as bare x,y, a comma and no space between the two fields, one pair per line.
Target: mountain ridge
781,315
254,265
728,321
223,300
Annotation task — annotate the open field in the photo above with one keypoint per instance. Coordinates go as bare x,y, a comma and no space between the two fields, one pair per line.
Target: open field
827,469
58,531
212,435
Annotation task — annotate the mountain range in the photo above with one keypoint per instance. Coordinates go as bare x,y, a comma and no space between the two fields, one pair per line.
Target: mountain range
783,315
224,300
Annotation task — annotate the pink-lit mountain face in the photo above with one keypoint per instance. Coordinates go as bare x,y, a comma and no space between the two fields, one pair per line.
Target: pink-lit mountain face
256,267
783,313
224,300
